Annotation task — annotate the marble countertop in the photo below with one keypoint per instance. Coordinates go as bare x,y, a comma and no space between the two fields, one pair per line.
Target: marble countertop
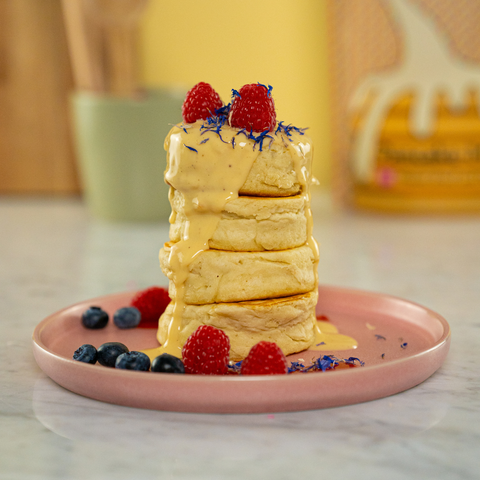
53,255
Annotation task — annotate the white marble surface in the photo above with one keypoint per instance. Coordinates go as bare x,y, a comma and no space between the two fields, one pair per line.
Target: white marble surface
53,254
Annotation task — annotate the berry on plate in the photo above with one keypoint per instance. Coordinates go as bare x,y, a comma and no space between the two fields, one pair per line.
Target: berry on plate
133,361
151,303
206,351
86,353
94,318
253,108
264,358
127,317
166,363
200,103
109,352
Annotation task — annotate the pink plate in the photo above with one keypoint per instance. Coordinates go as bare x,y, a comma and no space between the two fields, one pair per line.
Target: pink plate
401,343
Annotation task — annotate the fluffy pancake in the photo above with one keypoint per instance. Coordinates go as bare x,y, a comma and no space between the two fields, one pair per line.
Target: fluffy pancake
216,276
277,166
273,173
251,224
288,321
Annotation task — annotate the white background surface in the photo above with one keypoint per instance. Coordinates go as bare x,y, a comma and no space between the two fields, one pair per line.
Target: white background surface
52,254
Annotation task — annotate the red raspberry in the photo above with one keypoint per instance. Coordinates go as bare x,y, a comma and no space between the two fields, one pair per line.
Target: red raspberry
151,302
264,358
206,351
253,108
200,102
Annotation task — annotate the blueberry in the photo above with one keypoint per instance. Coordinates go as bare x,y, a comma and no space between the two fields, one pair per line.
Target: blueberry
167,363
86,353
133,361
108,353
95,318
127,317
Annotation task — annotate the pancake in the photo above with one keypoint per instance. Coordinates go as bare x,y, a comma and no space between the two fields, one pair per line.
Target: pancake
273,173
241,255
288,321
251,224
216,276
279,166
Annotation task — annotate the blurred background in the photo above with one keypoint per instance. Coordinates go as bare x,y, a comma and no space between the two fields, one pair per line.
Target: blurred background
388,89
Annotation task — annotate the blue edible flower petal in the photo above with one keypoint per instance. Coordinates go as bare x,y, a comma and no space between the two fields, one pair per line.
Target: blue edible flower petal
404,345
269,88
214,124
352,360
223,111
235,367
324,363
287,130
296,367
259,138
191,148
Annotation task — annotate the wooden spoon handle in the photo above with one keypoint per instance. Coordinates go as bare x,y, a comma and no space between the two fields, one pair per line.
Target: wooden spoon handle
84,42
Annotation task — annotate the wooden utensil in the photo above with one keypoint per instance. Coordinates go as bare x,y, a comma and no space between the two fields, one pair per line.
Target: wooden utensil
85,46
119,21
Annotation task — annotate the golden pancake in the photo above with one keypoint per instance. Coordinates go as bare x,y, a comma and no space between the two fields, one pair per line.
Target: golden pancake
241,255
216,276
251,224
278,166
273,173
288,321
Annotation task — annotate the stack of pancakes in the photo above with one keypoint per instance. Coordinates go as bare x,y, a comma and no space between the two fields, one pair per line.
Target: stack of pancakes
257,279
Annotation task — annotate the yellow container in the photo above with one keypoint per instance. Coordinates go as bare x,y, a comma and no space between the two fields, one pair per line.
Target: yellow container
406,97
439,173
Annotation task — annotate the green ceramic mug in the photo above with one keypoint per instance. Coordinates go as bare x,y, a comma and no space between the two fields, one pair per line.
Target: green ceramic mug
120,153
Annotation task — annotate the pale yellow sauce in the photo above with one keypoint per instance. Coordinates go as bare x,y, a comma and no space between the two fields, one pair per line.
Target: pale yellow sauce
328,338
208,178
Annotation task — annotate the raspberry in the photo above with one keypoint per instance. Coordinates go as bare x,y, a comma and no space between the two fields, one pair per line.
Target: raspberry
206,351
264,358
200,102
253,108
151,303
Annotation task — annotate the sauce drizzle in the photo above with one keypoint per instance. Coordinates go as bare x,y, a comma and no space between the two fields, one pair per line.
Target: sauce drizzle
208,168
